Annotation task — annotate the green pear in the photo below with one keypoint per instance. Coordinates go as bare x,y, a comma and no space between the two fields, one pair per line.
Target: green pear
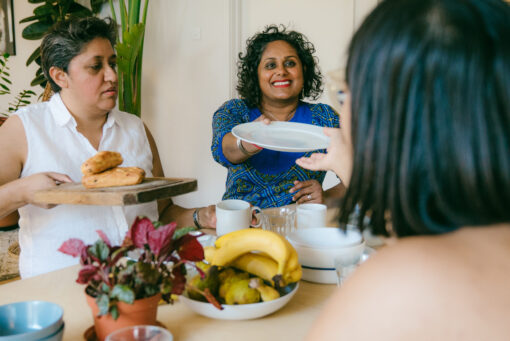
210,281
227,277
240,292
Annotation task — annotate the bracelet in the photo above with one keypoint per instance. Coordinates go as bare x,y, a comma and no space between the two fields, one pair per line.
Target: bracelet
243,150
195,219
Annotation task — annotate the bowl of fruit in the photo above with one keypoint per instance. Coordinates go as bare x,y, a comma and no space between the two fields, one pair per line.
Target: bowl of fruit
247,274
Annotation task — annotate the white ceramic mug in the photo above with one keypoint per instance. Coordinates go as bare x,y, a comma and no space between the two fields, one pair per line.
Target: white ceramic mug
311,215
233,215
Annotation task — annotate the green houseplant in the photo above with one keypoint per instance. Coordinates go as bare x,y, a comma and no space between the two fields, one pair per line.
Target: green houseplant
114,280
48,13
22,98
130,52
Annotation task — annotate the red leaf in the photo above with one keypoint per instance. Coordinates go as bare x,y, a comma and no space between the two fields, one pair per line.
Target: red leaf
179,282
190,249
86,273
104,237
211,299
139,231
72,247
160,240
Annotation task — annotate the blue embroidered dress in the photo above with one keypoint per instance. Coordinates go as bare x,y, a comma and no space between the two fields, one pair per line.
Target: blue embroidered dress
265,179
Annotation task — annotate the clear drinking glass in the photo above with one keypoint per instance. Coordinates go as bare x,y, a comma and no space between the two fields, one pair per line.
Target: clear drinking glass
281,220
140,333
346,264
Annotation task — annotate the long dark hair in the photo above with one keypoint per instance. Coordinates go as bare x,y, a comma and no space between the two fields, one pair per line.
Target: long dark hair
68,38
430,85
248,84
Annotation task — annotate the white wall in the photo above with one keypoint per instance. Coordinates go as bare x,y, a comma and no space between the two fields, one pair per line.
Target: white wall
187,68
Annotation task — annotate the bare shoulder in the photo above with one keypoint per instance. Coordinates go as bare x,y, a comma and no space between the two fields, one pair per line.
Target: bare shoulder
14,148
411,290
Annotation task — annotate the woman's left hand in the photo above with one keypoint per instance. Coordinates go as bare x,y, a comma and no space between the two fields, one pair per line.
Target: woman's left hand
207,217
309,191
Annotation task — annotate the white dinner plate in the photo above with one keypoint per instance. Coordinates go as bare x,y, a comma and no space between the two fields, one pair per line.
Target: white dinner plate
283,136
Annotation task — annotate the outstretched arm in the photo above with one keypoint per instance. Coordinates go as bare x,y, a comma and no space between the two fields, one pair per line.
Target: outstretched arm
338,157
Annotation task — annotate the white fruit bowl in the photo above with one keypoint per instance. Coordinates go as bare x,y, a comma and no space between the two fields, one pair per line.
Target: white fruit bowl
241,311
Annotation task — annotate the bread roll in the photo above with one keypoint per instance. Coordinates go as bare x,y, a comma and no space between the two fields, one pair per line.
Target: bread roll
118,176
100,162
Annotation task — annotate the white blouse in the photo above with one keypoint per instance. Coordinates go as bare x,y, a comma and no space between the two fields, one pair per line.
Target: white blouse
54,145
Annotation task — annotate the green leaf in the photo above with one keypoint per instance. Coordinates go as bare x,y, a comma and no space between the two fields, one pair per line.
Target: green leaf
123,293
4,87
182,231
32,18
24,102
78,10
38,80
45,10
34,55
7,80
35,31
105,288
30,92
96,5
114,311
103,302
36,1
100,250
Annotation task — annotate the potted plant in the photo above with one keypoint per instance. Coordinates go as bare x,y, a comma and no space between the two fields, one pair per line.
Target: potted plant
133,18
118,287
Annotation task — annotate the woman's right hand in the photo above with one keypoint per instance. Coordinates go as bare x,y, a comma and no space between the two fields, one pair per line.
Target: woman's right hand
40,181
337,159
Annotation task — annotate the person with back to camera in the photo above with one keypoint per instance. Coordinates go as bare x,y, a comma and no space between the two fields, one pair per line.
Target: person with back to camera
275,74
45,144
429,84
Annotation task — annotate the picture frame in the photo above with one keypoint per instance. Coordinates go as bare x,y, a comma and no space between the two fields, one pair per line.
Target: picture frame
7,40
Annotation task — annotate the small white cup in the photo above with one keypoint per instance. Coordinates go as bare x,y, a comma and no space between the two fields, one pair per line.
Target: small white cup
233,215
311,215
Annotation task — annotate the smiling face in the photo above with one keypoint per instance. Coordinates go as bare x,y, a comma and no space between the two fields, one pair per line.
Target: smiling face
280,73
90,84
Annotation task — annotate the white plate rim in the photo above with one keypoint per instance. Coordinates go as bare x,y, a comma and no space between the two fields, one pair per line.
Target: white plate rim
240,130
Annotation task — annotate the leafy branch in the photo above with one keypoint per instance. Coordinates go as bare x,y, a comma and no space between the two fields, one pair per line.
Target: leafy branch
5,82
21,100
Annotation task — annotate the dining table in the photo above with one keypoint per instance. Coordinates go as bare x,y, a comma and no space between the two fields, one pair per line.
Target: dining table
289,323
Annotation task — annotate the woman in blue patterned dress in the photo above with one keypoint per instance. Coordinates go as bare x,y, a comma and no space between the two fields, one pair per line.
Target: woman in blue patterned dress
275,74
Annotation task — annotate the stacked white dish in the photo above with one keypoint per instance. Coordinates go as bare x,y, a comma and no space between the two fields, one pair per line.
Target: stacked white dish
31,321
317,248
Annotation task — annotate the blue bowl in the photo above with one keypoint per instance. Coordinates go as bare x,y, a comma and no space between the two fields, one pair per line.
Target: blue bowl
30,320
57,336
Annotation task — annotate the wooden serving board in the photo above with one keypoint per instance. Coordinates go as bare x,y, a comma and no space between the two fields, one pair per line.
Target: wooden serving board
150,189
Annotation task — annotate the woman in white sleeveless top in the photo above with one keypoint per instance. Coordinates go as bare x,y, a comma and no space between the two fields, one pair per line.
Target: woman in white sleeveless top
46,143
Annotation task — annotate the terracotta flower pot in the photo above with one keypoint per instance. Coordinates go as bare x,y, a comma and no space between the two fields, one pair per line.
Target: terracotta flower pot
142,311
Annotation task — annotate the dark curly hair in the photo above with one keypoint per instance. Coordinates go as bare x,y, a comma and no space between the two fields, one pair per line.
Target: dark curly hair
248,86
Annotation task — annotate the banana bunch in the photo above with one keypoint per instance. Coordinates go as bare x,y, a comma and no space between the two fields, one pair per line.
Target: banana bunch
262,253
